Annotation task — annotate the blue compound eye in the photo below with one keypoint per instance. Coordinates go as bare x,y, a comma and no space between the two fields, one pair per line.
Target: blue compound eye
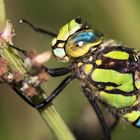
80,43
82,38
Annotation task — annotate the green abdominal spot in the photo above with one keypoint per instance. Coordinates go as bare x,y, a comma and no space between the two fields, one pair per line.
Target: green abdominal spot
123,80
117,100
132,116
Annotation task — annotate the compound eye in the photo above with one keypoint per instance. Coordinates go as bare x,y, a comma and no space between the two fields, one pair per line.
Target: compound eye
85,37
80,43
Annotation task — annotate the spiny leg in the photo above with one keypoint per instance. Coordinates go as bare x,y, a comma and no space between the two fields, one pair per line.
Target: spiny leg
36,29
101,118
56,92
50,98
23,96
39,30
24,52
58,71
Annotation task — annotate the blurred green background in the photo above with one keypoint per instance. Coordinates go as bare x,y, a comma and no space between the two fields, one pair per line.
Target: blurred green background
118,19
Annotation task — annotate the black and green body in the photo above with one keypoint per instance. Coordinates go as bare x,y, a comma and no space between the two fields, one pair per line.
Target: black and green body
106,68
109,75
108,71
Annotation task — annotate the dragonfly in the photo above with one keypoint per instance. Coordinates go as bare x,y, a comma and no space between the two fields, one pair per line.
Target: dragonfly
108,71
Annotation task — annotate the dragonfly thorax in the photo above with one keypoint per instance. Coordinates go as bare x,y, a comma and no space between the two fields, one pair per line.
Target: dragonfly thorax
113,71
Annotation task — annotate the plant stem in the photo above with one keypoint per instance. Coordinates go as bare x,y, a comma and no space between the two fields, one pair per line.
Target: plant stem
56,123
2,14
49,114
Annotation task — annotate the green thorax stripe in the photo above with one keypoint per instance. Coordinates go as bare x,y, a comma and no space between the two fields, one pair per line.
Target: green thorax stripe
123,80
120,55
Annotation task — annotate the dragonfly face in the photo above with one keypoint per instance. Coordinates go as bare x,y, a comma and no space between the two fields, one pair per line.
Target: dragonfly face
75,40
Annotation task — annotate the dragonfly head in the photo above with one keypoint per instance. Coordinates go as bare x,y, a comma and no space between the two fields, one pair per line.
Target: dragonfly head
74,40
